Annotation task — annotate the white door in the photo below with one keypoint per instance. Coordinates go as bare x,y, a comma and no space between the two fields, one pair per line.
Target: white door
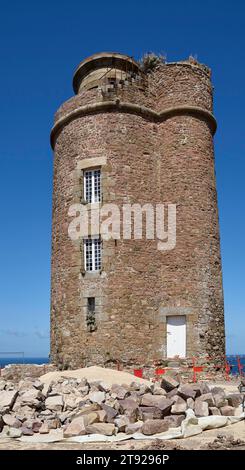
176,336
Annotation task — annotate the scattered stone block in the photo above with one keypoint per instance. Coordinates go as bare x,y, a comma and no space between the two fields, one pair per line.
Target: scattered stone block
169,383
190,403
101,416
208,398
149,412
185,392
154,426
54,403
7,399
97,397
121,422
108,429
26,431
201,408
213,410
44,429
11,421
111,413
14,432
75,428
174,421
227,410
131,428
179,407
117,391
234,399
164,404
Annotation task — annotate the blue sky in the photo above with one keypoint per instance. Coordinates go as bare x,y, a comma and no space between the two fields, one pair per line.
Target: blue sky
41,44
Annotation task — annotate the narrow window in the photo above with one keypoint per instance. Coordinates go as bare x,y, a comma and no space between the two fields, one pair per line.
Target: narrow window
92,254
91,321
92,185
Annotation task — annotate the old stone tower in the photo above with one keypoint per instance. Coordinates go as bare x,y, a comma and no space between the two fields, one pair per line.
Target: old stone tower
130,136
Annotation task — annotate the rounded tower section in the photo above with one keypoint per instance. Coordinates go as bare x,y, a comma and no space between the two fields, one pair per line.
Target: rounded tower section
128,138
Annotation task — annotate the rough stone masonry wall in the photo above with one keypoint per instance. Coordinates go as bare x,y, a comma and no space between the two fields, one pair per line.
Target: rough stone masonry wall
149,160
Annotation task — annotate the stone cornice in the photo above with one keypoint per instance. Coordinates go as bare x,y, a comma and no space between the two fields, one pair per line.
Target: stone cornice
125,107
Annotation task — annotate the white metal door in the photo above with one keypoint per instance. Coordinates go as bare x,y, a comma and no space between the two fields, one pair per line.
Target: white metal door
176,336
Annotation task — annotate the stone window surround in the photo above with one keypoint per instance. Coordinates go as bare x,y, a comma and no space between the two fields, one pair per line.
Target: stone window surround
165,312
85,164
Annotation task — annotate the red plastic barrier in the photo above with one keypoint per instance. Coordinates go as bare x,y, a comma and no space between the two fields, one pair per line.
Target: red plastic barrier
227,371
160,371
138,373
239,366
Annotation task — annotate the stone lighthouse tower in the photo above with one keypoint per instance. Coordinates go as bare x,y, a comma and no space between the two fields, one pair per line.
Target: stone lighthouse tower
132,136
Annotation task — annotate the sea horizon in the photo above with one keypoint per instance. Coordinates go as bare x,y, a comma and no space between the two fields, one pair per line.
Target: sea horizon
39,360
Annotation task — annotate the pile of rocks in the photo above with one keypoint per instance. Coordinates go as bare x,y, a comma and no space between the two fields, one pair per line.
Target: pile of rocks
81,406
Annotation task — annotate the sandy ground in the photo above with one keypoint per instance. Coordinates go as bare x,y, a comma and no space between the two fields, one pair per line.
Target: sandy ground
110,376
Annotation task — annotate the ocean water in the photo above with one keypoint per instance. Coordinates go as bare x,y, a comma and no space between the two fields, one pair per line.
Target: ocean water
4,361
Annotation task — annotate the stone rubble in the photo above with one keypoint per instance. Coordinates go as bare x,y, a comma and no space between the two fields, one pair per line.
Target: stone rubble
79,406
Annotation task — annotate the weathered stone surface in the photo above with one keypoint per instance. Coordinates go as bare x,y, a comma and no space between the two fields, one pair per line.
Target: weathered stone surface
169,383
44,429
97,397
197,388
157,390
107,429
208,398
213,410
75,428
128,405
14,432
37,384
234,399
121,422
220,400
217,390
80,139
185,391
190,403
90,418
201,408
164,404
204,387
104,387
36,426
174,421
54,423
179,407
131,428
54,403
150,412
172,393
11,421
31,397
154,426
46,389
227,410
7,399
117,391
101,415
111,413
26,431
71,402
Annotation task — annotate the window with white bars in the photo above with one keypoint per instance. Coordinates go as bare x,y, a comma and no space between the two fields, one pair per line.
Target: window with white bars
92,254
92,185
